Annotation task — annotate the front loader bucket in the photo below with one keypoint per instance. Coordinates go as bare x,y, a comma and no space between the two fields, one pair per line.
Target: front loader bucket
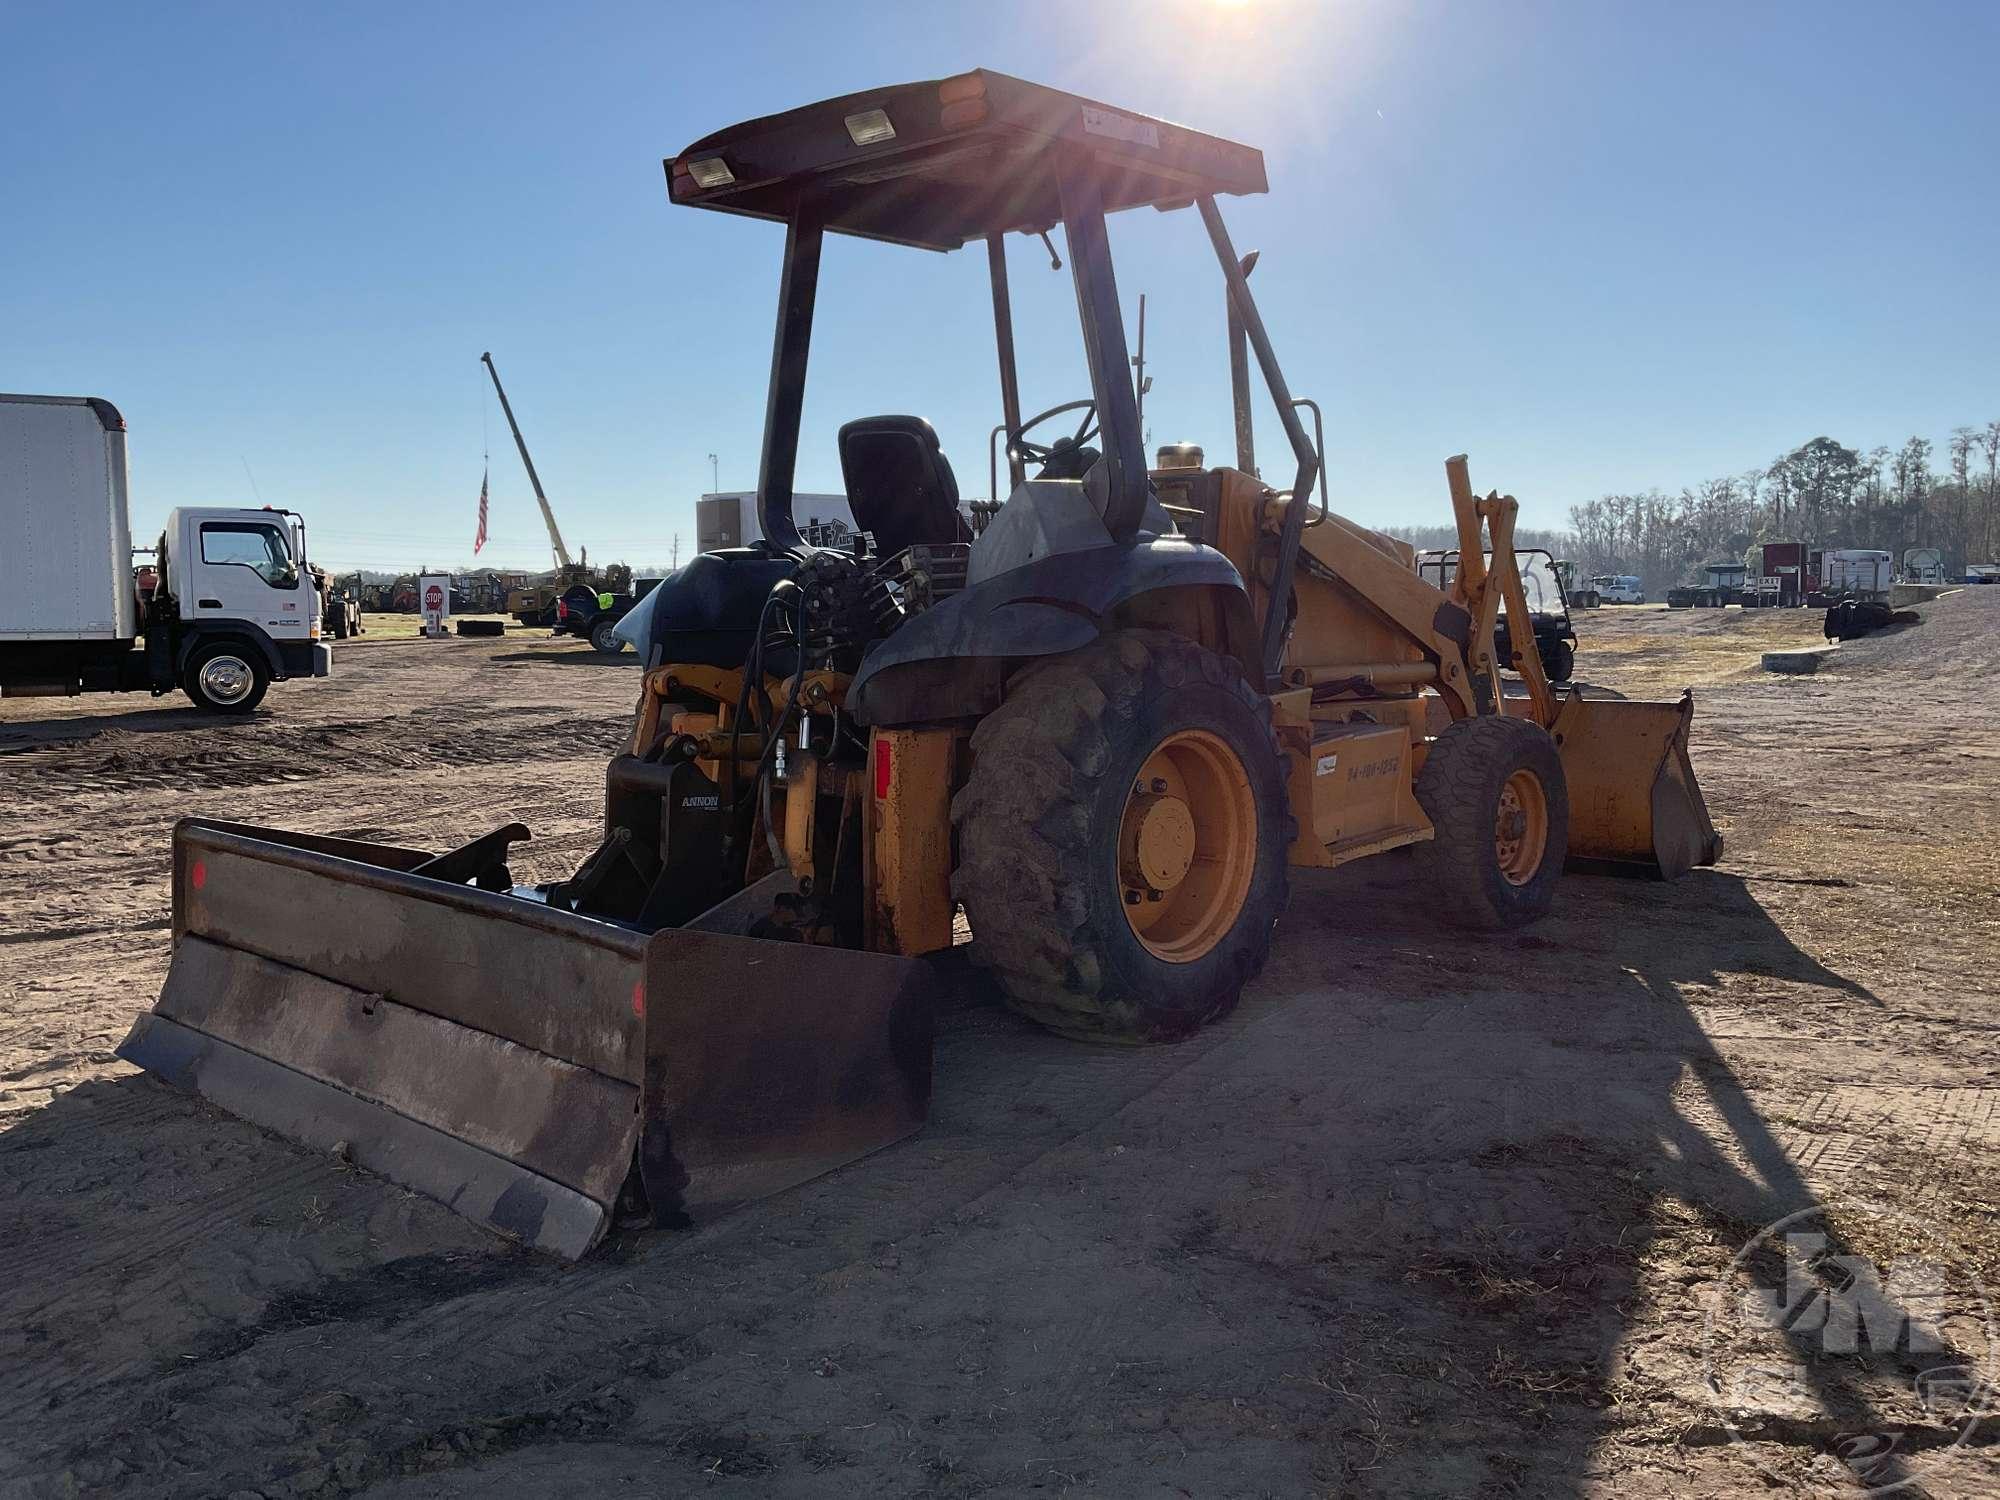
1634,805
522,1065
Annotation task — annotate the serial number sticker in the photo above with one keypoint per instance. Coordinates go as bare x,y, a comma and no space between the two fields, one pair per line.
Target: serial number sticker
1120,127
1326,765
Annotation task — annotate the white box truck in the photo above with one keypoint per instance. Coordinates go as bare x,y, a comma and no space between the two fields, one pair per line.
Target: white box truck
226,606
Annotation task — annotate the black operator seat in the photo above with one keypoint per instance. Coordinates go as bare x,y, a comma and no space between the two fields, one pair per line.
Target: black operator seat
899,484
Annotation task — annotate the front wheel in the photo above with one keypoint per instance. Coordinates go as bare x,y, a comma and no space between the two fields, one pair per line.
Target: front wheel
1122,838
1559,662
1493,789
604,637
226,677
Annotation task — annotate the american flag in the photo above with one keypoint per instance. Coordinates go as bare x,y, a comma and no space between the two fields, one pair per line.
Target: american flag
480,540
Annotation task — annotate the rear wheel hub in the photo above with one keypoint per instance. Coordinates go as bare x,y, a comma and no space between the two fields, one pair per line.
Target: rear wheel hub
1160,830
1187,846
1521,827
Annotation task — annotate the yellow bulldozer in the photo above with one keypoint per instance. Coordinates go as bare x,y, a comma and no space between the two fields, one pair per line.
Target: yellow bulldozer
1103,725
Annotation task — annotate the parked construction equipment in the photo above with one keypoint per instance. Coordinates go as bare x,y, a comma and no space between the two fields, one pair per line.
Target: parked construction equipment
1107,728
556,546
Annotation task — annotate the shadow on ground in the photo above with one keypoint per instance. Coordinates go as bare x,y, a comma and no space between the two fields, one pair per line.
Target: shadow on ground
1431,1215
29,734
581,656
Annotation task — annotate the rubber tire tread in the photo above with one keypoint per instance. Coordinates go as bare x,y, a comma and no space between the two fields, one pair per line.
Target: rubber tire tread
1459,790
1561,664
1043,911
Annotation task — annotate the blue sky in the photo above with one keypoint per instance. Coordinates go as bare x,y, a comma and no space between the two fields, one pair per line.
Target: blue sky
1596,245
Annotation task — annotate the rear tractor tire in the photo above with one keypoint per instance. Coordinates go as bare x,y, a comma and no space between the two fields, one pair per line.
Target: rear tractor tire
1493,788
1561,662
1123,837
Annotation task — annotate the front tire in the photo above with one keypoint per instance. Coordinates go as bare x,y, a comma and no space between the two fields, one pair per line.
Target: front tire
1493,789
1560,664
1123,838
603,637
226,677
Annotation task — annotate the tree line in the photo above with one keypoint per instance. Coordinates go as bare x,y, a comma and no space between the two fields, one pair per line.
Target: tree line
1822,493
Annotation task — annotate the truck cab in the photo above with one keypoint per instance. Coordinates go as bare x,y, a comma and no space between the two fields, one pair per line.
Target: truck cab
1721,585
236,607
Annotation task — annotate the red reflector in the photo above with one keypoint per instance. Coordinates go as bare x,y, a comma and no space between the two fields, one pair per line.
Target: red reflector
198,876
884,768
964,86
639,998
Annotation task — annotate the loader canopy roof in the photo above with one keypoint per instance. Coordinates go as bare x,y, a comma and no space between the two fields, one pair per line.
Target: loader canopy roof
938,163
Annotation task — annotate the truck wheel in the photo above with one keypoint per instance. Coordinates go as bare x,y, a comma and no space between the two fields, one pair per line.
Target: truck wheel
1560,662
226,677
1493,788
1122,838
603,637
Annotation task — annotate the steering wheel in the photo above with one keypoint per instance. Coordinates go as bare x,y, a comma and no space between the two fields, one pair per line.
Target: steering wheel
1018,445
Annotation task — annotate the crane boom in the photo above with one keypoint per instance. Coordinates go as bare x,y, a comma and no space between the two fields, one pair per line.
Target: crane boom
548,515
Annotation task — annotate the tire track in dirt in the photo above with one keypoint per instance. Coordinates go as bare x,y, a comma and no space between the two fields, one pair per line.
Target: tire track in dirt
115,763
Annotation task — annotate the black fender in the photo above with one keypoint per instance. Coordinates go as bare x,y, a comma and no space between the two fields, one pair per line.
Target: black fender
198,633
950,661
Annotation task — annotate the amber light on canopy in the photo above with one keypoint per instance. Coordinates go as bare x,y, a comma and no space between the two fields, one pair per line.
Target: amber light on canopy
964,101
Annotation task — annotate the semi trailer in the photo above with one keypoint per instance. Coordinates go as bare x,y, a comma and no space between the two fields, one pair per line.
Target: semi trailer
225,606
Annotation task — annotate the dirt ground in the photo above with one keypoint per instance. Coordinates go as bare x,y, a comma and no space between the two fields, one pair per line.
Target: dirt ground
1429,1216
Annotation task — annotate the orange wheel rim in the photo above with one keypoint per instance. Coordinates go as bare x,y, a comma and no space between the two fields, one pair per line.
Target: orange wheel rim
1521,827
1187,846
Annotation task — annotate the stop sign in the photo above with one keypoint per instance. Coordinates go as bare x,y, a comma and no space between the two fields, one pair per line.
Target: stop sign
434,598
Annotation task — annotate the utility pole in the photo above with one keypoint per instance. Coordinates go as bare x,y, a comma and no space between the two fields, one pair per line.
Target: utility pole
677,552
714,475
1145,381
